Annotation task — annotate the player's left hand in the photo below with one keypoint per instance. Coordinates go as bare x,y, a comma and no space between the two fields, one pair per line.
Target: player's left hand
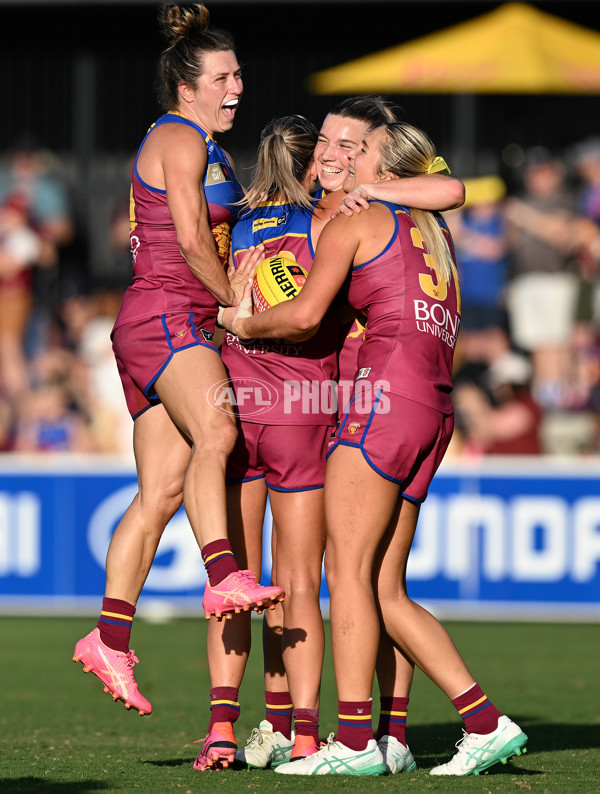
245,271
355,201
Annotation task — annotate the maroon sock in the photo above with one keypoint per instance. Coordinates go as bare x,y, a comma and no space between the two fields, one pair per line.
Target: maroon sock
224,706
219,560
114,623
392,718
279,712
480,714
355,729
307,723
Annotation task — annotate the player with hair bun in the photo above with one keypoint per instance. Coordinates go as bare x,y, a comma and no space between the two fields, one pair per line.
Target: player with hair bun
403,275
183,202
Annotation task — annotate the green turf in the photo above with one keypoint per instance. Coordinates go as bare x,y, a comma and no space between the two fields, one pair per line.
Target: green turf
60,733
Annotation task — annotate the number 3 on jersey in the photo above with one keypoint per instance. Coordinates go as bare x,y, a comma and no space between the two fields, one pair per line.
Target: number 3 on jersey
438,289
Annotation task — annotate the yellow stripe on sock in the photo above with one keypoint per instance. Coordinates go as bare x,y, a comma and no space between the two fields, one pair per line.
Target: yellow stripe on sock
272,707
472,706
217,554
224,703
116,615
394,713
354,717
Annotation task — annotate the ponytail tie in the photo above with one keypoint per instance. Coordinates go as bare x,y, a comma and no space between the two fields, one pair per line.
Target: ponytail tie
438,166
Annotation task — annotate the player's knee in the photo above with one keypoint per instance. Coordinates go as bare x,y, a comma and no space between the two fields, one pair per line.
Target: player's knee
299,569
218,438
300,589
160,503
228,437
392,602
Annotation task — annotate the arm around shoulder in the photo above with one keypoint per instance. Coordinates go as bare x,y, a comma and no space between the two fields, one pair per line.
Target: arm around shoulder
426,191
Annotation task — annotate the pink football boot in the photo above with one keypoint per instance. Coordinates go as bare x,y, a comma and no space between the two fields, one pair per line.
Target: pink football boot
219,748
114,669
239,592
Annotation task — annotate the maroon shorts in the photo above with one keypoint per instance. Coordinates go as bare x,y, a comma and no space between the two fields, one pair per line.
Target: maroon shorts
289,457
144,348
400,439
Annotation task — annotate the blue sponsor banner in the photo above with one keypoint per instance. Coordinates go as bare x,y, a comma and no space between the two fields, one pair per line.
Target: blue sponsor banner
508,538
513,537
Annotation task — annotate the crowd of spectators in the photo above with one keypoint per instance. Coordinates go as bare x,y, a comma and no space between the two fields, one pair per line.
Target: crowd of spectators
527,368
527,373
59,387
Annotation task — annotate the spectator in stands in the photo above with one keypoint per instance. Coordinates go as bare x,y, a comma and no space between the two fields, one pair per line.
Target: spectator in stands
480,240
20,248
543,289
49,422
87,322
34,175
586,160
496,414
29,175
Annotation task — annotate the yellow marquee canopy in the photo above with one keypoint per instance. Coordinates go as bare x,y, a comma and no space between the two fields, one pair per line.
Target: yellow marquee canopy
515,49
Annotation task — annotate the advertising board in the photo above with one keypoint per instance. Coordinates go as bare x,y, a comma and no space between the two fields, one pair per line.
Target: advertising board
503,538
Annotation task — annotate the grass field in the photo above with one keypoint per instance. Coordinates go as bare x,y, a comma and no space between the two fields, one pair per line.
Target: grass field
60,733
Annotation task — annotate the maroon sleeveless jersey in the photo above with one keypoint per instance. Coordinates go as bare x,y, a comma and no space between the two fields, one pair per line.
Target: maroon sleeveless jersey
413,318
162,280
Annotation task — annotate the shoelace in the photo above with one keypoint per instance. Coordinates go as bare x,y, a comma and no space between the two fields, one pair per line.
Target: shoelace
255,737
462,745
465,737
329,744
132,659
248,575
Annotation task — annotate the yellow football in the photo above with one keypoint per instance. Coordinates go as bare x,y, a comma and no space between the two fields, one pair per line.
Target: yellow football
277,279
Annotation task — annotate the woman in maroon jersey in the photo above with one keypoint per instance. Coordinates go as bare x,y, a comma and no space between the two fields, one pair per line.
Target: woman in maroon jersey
183,201
386,451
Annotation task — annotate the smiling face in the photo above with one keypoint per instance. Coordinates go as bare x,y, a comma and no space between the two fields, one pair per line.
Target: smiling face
215,99
364,165
338,140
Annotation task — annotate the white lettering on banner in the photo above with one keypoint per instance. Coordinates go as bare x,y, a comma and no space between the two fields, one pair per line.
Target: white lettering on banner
465,515
20,535
545,560
467,538
586,553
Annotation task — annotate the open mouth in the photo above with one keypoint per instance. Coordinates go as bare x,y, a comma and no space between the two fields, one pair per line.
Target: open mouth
231,105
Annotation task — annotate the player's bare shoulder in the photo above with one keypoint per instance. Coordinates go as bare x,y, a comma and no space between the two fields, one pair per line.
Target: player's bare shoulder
179,138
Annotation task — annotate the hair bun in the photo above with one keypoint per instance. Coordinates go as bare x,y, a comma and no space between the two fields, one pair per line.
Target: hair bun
178,22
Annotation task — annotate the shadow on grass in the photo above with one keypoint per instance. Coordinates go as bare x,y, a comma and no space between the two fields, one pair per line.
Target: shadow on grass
172,762
25,785
437,741
438,744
